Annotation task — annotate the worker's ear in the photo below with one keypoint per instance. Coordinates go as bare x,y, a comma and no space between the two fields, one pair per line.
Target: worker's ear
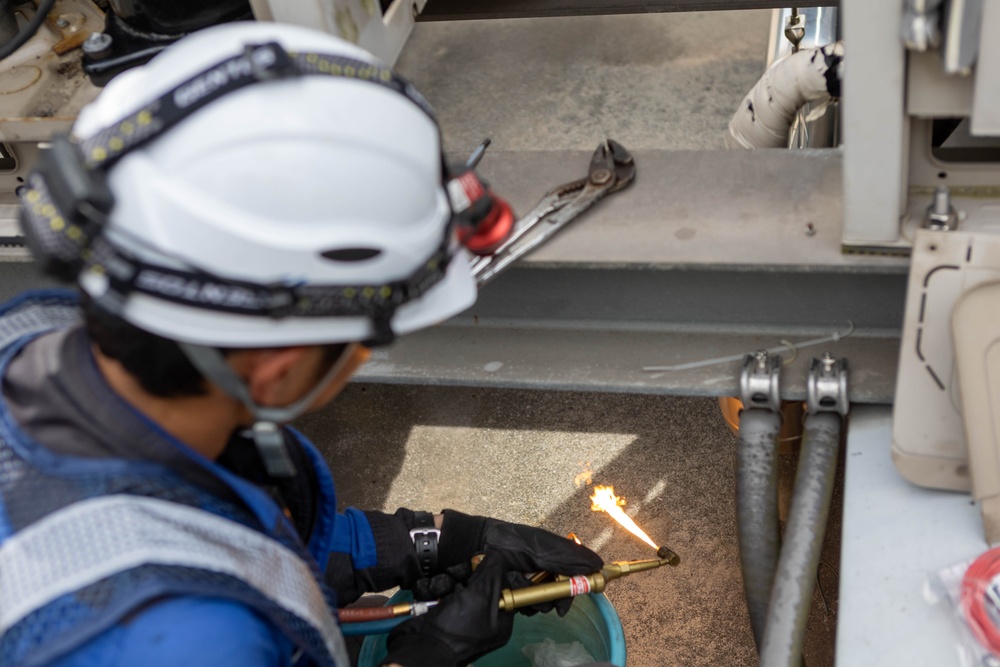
272,375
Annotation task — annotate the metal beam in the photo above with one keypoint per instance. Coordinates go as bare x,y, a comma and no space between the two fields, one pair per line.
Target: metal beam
450,10
707,254
595,329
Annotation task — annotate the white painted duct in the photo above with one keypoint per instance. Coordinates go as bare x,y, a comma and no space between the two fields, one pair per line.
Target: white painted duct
766,113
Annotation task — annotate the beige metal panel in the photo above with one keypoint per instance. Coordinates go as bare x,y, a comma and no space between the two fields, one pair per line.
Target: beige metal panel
928,443
929,438
930,93
875,124
977,347
975,179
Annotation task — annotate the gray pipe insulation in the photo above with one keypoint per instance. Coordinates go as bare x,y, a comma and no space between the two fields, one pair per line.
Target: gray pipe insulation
8,21
757,519
803,539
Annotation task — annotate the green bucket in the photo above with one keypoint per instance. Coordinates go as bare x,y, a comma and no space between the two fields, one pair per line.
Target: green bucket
591,620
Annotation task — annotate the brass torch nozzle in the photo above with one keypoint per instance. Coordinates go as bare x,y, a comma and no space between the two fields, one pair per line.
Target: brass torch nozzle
668,555
564,587
553,590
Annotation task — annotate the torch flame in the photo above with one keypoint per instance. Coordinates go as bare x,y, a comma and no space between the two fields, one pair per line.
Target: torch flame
585,477
605,500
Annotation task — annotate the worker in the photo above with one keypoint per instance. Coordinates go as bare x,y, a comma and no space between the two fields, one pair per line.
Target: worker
243,217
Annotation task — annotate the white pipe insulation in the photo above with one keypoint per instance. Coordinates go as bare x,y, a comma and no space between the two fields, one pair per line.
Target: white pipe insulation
766,113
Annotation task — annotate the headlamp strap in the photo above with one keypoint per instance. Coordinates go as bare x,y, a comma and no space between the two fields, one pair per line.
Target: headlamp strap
111,270
260,62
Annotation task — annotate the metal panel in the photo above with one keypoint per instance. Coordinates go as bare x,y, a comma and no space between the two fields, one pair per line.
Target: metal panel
894,536
876,127
930,93
448,10
986,102
759,207
960,47
595,330
707,254
927,171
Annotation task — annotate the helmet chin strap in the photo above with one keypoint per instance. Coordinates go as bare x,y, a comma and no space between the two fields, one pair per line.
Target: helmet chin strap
265,430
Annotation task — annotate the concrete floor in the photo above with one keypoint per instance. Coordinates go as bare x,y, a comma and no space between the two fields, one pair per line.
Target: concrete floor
668,81
515,454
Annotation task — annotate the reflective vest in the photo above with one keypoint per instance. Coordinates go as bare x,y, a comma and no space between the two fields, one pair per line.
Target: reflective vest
84,542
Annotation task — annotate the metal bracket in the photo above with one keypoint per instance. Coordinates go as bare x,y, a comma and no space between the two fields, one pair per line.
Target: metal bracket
826,386
760,381
921,26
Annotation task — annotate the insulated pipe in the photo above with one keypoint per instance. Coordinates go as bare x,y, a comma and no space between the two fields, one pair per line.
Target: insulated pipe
803,540
765,115
8,21
757,510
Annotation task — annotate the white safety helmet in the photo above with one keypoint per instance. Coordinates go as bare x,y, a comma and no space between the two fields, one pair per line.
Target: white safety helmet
301,181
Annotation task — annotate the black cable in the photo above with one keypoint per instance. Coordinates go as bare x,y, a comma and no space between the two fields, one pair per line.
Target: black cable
8,21
29,30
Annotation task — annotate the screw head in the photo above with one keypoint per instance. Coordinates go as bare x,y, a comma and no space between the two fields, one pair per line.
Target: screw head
97,44
941,215
62,22
600,176
828,362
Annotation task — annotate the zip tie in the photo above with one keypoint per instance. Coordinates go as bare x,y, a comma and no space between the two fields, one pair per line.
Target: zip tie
835,337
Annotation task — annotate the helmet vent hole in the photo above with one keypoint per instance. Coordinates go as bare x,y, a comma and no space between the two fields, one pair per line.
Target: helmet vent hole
351,254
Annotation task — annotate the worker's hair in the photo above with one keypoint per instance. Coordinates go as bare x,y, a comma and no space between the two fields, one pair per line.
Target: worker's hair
157,363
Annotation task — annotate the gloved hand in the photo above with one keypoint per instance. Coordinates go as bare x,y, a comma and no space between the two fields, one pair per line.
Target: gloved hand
465,625
525,549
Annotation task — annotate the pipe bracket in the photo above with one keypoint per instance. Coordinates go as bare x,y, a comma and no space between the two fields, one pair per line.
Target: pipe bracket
760,381
826,386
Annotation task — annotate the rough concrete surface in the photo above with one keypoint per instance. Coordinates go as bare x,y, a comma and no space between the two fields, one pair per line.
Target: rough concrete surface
665,81
515,454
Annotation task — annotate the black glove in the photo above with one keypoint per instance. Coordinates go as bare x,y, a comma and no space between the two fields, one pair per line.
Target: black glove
525,548
466,625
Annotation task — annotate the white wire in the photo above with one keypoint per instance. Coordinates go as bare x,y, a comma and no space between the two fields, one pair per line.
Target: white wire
832,338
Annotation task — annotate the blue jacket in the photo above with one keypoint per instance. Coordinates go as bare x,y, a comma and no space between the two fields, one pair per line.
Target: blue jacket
188,589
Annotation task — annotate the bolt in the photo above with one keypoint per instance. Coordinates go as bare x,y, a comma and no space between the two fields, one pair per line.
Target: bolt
795,29
97,44
828,362
62,22
941,215
600,176
761,357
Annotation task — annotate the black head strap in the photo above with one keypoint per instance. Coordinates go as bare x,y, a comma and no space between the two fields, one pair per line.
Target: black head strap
262,62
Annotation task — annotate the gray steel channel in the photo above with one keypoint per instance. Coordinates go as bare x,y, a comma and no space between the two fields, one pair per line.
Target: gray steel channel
596,328
446,10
